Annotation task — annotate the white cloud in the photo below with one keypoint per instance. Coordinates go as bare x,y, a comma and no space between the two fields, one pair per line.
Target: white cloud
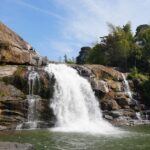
33,7
86,20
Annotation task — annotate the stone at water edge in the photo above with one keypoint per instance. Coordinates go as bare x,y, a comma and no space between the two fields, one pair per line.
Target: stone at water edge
15,146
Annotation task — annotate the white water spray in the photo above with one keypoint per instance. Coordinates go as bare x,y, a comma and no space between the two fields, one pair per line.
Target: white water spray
32,115
33,76
74,103
138,115
127,87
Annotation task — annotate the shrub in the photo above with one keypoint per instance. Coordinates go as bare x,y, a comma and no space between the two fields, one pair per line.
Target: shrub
134,74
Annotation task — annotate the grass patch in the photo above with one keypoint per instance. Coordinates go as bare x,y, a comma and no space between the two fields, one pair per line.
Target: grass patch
134,74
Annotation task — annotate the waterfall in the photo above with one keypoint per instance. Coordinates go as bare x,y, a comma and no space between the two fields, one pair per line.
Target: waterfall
33,76
127,87
32,115
32,99
138,115
74,103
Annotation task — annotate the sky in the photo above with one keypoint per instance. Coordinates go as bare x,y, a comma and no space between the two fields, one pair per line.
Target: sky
58,27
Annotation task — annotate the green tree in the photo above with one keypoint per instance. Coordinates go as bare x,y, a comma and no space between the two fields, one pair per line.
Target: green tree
118,45
97,55
142,38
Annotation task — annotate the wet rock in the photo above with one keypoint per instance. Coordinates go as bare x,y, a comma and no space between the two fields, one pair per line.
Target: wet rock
9,92
129,113
100,86
83,71
122,101
108,117
109,105
44,111
116,114
39,125
13,107
43,86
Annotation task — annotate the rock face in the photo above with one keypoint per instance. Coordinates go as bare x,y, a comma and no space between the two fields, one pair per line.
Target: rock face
14,91
19,63
15,87
14,50
13,107
109,87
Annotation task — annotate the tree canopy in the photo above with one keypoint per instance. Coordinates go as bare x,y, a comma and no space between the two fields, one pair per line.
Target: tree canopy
121,48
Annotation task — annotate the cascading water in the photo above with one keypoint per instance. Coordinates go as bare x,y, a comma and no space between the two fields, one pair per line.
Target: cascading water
32,118
127,87
33,76
138,115
74,103
32,115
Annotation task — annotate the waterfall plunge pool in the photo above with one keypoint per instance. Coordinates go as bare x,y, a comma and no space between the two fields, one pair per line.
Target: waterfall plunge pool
136,138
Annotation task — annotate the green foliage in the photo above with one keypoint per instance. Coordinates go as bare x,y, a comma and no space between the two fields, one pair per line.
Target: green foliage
145,88
120,48
143,39
69,60
143,85
134,74
83,55
97,55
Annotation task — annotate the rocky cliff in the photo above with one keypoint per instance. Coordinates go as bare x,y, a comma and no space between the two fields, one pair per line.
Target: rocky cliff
107,83
15,91
14,50
23,78
118,105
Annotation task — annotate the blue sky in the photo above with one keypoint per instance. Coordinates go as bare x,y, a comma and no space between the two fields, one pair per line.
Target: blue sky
58,27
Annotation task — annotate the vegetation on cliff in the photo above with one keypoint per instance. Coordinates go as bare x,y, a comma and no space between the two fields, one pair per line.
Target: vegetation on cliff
121,48
127,51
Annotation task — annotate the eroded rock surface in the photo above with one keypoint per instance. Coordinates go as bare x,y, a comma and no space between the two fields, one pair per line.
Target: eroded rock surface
14,50
109,87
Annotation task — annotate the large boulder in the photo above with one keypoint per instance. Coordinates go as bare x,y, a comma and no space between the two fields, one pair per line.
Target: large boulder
109,105
14,50
100,86
13,107
102,72
123,101
7,70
